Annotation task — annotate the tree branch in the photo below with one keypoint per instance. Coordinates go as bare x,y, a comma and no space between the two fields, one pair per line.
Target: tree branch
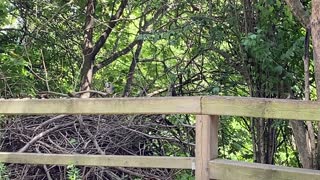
114,56
298,10
124,51
42,134
113,21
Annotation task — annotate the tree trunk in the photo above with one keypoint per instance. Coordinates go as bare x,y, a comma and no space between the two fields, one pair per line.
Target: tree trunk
315,31
302,143
306,145
304,137
135,59
262,130
248,16
88,58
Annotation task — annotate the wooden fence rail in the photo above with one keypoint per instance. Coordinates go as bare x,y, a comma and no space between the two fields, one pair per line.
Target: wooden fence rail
99,160
207,110
201,105
234,170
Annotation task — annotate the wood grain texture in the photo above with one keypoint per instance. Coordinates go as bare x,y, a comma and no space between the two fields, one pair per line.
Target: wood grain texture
98,160
206,144
213,105
165,105
234,170
261,107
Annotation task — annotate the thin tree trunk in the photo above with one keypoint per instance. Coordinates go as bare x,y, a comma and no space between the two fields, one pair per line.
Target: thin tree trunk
302,143
306,62
307,97
317,160
135,60
261,140
305,138
90,50
88,58
253,138
258,124
248,16
272,142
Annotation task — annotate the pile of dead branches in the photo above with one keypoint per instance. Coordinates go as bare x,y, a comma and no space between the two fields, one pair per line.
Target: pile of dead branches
146,135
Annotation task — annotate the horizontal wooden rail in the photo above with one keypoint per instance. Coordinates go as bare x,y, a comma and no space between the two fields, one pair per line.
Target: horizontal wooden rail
172,105
261,107
206,141
99,160
213,105
234,170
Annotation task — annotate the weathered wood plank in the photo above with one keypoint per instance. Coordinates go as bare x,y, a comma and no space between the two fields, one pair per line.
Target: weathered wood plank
206,144
261,107
214,105
98,160
234,170
165,105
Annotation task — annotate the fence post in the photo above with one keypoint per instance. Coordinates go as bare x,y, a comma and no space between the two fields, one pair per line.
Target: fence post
206,144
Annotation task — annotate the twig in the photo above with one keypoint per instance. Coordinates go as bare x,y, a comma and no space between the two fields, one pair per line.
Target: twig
50,121
91,91
112,175
45,167
53,93
130,172
158,137
40,135
93,139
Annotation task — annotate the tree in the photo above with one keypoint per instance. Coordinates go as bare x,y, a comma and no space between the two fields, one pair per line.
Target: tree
165,48
309,154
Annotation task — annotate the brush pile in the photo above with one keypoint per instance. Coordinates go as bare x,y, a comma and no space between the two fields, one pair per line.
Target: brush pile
144,135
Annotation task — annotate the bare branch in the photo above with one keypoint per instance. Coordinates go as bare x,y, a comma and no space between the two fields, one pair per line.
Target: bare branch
113,21
114,56
127,49
40,135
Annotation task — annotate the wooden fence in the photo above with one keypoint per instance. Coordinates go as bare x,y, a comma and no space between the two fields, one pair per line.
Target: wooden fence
207,111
